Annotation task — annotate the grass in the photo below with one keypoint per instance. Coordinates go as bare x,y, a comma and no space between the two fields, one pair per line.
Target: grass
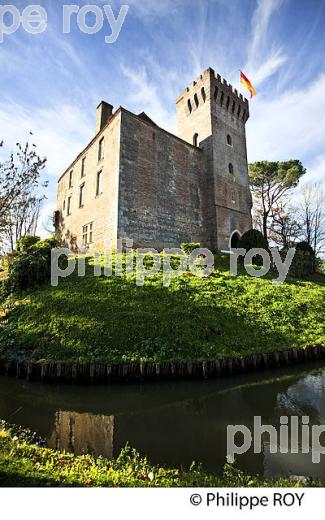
25,461
112,320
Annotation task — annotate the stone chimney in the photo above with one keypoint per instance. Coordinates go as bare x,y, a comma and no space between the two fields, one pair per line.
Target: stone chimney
103,113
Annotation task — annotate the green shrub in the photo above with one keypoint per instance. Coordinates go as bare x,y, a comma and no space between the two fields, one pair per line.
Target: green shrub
253,239
31,268
304,246
189,247
26,242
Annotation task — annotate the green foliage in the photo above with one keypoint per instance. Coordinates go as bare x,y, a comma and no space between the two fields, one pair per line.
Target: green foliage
284,175
25,461
189,247
110,319
251,239
25,243
270,182
304,246
31,267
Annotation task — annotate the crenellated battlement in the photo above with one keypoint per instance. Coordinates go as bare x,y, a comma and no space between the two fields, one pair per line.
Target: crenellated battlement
213,88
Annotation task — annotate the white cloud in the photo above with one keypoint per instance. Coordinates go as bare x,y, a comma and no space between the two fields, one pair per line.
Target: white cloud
262,62
149,8
260,23
59,131
145,95
290,126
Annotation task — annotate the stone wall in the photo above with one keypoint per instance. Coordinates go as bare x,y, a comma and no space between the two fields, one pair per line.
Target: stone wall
161,191
100,209
214,112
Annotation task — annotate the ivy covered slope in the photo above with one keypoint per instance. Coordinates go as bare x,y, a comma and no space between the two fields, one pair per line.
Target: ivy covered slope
24,461
111,319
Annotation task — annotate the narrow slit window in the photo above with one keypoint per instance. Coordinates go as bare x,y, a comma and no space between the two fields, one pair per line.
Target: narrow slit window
189,105
71,179
81,195
195,139
229,140
69,206
222,98
203,94
196,100
101,149
228,102
215,94
231,169
83,167
85,234
91,232
99,182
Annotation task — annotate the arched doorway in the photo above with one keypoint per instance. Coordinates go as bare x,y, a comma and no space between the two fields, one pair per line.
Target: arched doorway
234,240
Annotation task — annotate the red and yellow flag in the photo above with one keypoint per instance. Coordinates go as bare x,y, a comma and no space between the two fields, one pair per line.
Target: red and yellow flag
245,81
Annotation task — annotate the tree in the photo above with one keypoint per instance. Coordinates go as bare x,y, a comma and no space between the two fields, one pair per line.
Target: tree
20,200
284,228
312,213
270,183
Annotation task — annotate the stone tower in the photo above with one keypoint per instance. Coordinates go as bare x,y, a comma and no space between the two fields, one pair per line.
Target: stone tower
212,115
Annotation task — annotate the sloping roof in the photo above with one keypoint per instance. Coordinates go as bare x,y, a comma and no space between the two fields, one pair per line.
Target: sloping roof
144,116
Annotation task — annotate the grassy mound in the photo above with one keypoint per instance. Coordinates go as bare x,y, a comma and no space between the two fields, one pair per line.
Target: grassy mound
110,319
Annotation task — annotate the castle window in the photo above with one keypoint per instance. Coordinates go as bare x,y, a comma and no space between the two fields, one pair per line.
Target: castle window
233,197
244,114
229,140
87,233
231,169
215,96
99,183
70,179
228,102
238,111
233,107
69,206
101,149
195,139
64,205
189,105
196,100
90,232
222,98
203,94
83,164
81,195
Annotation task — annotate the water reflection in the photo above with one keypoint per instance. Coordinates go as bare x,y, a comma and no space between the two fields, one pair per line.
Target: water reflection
172,423
83,433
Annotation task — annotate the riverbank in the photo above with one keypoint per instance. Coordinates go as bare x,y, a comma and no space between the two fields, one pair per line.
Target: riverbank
118,372
26,461
110,320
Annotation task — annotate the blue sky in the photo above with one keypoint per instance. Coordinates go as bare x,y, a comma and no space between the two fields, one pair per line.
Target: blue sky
52,82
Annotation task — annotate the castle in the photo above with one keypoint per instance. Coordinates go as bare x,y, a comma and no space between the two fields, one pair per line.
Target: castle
135,180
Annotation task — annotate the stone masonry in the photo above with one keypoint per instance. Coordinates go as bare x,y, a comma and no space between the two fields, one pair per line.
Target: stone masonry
135,180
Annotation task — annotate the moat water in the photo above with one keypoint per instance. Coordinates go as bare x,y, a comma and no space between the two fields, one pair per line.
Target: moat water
173,423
